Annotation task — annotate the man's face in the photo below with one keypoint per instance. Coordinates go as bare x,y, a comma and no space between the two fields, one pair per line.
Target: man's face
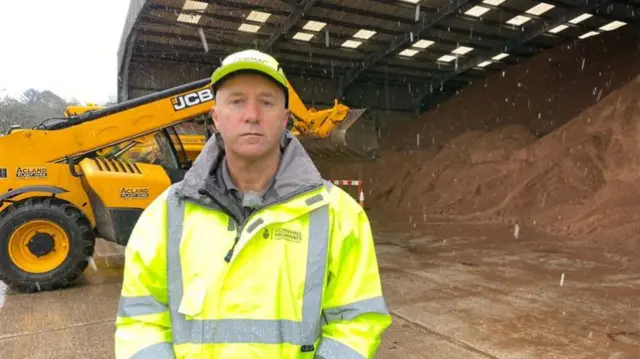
250,115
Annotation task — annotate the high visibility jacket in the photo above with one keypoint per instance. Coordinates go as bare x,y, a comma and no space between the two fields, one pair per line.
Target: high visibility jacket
298,279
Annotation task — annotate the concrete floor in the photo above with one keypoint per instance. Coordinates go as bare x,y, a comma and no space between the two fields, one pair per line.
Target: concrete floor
454,291
478,292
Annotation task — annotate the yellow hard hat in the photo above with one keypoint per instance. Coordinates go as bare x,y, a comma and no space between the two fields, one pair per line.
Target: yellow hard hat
250,61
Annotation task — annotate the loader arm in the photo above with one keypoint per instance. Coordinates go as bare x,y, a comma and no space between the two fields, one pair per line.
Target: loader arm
312,121
339,133
99,128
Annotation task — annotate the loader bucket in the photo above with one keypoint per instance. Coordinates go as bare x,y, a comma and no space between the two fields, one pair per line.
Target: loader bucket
353,140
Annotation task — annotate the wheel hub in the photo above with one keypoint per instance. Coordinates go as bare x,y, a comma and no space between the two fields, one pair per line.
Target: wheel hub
38,246
41,244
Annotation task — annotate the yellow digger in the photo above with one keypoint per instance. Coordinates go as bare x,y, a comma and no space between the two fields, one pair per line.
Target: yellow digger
92,172
322,132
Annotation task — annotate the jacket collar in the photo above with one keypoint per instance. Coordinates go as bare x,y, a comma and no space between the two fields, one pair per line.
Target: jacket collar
296,174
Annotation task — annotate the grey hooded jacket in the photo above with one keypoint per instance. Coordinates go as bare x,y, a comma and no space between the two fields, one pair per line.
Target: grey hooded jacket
202,183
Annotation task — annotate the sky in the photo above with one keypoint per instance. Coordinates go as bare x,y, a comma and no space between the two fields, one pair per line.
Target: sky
73,52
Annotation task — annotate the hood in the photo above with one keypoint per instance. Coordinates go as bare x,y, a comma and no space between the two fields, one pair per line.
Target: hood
296,173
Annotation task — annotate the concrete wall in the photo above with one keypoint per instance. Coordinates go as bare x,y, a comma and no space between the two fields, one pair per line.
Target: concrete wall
388,102
541,93
377,97
148,77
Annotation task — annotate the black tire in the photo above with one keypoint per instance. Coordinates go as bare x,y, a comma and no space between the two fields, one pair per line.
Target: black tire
71,220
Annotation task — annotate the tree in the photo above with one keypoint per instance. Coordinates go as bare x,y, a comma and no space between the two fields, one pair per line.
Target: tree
11,112
31,109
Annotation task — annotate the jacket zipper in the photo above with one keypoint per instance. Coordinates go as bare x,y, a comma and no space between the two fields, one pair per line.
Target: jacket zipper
229,255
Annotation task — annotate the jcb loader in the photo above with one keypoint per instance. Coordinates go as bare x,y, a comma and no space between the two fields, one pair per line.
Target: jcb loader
92,172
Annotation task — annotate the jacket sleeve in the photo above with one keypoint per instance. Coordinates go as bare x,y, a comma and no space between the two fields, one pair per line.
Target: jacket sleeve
143,323
354,310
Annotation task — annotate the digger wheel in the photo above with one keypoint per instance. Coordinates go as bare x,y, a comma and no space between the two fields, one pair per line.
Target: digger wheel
45,244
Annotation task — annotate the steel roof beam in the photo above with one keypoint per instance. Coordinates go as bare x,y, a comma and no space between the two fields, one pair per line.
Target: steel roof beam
320,54
631,3
224,5
289,23
150,47
161,38
234,4
245,38
476,36
157,9
400,41
453,30
405,4
155,43
292,3
533,32
404,21
170,59
152,26
515,12
628,3
366,13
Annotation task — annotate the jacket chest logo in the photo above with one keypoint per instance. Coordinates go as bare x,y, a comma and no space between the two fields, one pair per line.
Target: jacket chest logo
282,234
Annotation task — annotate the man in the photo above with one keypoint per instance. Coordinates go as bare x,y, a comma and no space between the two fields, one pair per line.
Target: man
252,255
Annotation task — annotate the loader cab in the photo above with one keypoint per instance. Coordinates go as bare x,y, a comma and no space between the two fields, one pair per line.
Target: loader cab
175,149
163,148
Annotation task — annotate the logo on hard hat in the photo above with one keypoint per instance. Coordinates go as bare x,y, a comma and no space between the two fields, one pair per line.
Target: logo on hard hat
253,56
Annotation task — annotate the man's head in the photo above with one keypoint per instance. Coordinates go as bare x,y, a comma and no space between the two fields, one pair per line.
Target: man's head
251,109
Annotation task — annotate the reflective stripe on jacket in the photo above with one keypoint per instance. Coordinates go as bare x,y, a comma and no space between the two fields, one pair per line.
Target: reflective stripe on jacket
302,280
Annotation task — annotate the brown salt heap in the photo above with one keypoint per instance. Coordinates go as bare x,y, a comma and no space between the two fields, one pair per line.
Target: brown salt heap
582,177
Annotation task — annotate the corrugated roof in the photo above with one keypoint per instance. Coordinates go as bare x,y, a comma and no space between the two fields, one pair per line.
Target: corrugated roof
387,35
